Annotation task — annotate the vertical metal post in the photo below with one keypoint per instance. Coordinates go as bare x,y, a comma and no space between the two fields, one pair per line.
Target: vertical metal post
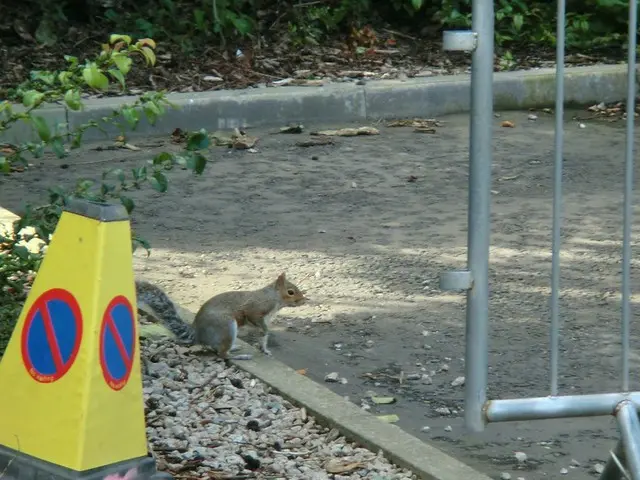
479,221
630,432
554,335
628,191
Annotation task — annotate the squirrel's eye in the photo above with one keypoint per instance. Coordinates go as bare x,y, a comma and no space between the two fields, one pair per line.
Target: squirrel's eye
291,293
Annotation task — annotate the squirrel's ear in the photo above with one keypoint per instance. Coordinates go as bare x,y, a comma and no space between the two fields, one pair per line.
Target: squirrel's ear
281,279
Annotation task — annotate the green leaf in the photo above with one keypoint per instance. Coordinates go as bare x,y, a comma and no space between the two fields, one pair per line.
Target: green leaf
117,37
122,61
46,31
58,147
149,55
199,17
106,188
241,23
5,166
159,182
128,203
198,140
139,173
43,76
518,20
32,98
77,140
72,99
131,116
152,112
84,185
162,158
72,60
65,77
21,251
417,4
197,163
117,74
40,124
140,242
94,77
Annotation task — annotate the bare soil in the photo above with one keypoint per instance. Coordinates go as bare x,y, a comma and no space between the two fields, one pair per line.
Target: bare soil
365,227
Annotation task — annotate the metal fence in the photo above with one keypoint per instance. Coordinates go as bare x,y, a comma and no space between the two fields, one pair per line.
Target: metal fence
625,458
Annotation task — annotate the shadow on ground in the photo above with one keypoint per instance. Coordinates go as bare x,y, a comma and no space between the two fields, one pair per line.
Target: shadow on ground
365,227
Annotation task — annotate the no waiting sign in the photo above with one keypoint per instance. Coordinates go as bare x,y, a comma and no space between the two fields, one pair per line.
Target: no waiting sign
117,342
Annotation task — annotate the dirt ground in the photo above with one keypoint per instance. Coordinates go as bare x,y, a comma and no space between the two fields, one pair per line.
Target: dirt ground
367,245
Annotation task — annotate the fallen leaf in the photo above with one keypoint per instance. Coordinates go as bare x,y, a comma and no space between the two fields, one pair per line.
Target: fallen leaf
302,371
127,146
388,418
383,400
348,132
422,125
424,130
300,82
178,135
336,466
507,124
313,142
221,141
292,129
242,141
238,140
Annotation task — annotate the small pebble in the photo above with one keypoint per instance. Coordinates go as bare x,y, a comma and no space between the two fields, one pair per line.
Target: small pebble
331,377
459,381
204,410
505,476
521,457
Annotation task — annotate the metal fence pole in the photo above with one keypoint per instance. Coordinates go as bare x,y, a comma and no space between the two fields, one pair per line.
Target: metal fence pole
628,191
630,432
554,334
479,221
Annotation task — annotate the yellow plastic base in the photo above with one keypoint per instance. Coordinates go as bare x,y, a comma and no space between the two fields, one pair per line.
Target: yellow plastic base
68,394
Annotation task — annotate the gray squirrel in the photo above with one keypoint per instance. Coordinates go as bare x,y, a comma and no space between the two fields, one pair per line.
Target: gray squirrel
216,323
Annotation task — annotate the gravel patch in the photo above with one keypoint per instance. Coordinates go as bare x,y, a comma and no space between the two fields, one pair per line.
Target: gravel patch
209,420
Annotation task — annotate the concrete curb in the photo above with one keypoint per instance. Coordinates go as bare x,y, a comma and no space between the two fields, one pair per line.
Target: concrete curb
332,410
349,102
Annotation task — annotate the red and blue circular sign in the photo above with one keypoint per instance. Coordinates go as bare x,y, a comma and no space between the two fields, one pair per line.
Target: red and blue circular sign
51,335
117,342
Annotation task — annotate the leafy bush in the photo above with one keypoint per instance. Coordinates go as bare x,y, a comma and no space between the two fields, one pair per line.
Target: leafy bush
192,23
18,263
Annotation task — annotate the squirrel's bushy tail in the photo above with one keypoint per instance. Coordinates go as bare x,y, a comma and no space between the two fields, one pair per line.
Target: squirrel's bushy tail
164,310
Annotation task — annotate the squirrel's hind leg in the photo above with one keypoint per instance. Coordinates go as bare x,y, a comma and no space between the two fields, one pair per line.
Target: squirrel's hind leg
229,345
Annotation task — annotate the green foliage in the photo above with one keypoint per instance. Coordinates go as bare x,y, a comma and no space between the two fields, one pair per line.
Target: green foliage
223,19
19,264
109,69
194,23
519,23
